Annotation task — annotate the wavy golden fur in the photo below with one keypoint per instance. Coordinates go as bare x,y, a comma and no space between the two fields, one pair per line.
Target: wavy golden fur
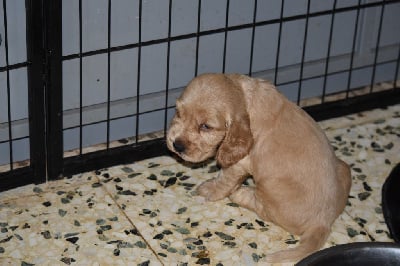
252,129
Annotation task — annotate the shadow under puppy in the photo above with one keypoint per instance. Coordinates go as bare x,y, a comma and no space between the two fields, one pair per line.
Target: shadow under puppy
252,129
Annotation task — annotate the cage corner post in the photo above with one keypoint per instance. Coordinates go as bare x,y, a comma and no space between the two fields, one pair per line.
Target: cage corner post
52,11
35,58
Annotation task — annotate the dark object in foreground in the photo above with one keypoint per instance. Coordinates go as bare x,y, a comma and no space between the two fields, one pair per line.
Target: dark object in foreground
391,203
354,254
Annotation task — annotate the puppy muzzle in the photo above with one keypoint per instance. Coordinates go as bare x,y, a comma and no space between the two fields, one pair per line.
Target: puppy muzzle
179,146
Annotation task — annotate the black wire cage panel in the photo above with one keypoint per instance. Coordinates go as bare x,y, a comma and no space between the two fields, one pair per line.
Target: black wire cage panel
87,84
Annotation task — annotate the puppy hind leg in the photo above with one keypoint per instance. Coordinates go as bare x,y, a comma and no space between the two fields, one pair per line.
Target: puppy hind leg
312,240
344,174
246,198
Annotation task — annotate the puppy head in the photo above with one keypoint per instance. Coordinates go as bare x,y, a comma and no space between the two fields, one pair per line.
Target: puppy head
211,120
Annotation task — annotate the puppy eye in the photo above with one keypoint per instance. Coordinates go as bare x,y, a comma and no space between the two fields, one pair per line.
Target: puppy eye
177,113
204,127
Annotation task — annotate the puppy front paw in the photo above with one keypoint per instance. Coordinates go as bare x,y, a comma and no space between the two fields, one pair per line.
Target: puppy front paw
209,190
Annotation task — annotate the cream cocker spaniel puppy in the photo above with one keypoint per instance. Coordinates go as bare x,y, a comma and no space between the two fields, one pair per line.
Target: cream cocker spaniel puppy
252,129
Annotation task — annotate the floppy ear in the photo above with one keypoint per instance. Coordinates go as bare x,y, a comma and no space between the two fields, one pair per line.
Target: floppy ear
237,142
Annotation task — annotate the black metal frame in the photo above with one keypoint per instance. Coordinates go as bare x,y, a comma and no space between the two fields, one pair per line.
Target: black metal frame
44,42
35,55
52,17
35,172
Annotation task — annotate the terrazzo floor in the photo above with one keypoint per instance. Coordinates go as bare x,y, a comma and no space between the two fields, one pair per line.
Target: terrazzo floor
147,213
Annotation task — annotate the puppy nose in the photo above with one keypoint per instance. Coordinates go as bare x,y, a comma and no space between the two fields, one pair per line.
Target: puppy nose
179,146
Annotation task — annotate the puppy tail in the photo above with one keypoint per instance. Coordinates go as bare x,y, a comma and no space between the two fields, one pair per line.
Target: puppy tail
310,241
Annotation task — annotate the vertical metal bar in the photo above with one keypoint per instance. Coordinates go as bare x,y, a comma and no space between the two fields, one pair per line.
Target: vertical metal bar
108,72
138,72
378,40
196,68
168,68
279,43
10,137
35,57
226,35
353,50
80,80
396,73
253,31
53,87
328,52
303,54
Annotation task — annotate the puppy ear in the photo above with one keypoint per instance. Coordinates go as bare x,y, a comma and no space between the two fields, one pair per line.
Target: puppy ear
237,142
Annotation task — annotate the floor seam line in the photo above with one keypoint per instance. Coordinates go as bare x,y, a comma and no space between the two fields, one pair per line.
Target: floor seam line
129,220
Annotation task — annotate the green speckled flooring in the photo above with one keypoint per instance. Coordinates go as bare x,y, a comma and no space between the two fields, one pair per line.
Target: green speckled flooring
146,214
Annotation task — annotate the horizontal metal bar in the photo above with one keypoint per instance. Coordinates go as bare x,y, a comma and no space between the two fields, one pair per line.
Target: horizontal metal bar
14,66
119,117
114,156
16,178
351,69
352,105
